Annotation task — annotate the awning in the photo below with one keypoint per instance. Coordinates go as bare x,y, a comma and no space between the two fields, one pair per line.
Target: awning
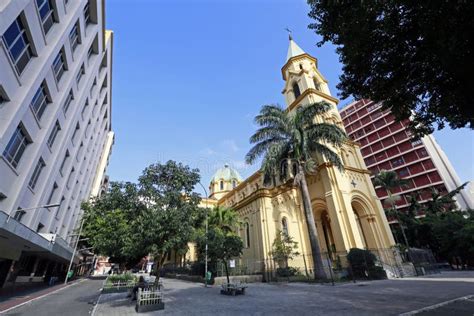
16,238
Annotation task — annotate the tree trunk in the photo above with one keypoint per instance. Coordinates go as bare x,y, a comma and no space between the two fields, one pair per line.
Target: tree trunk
394,211
158,265
300,179
226,271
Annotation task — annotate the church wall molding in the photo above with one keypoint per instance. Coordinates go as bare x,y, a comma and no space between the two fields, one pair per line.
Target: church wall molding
308,92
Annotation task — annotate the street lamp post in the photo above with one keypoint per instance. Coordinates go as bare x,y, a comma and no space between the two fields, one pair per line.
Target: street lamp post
207,227
74,252
34,208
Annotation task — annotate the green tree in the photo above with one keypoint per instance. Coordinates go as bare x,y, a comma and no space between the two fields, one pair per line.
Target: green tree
224,218
284,248
109,222
167,221
415,56
389,181
223,243
441,203
451,235
294,136
224,246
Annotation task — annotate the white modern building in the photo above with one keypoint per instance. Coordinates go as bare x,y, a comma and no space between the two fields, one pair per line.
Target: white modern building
55,129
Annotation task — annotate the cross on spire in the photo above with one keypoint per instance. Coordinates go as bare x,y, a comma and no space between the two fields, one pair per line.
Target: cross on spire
289,33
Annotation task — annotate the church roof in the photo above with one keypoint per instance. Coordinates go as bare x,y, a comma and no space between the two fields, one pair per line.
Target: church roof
227,174
293,50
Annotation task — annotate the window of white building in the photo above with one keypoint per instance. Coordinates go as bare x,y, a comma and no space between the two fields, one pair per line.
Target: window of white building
59,65
46,12
54,133
36,173
74,38
40,101
68,101
18,45
16,146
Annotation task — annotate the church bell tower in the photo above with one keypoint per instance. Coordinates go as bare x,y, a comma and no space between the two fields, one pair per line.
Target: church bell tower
304,84
346,207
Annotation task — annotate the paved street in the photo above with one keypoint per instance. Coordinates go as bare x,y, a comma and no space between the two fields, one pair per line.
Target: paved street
387,297
77,299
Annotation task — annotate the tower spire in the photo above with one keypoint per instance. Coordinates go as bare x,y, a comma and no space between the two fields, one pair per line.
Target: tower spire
293,49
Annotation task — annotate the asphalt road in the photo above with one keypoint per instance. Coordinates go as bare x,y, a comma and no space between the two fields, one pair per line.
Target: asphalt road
78,299
386,297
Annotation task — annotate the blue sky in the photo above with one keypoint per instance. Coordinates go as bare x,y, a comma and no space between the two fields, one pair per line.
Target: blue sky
189,76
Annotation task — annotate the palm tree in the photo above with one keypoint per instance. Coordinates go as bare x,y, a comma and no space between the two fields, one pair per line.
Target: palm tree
389,180
223,218
294,137
441,203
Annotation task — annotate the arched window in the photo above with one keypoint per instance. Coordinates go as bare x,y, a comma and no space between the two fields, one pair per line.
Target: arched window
284,226
221,185
247,235
296,90
234,183
317,86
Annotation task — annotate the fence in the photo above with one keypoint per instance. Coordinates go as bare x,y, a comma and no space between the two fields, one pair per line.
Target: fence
370,264
423,261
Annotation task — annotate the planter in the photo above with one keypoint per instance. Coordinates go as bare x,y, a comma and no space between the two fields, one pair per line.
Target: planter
107,290
149,308
233,289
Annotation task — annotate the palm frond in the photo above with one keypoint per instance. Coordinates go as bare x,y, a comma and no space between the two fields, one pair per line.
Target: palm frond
271,164
328,154
389,180
261,149
326,132
272,115
266,133
305,114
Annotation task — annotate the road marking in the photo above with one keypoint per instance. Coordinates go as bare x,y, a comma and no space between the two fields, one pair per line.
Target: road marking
98,300
97,304
40,297
428,308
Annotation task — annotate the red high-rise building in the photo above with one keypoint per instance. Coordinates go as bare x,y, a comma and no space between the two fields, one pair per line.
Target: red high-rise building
388,145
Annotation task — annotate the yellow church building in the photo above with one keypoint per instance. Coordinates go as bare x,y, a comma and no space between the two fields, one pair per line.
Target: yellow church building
346,209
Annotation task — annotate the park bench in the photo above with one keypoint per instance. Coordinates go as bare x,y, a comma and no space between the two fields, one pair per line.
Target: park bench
233,288
149,299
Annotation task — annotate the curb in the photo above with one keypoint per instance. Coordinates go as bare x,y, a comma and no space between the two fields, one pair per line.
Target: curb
41,296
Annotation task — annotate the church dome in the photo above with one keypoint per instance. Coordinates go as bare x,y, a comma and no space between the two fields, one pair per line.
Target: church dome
226,174
224,180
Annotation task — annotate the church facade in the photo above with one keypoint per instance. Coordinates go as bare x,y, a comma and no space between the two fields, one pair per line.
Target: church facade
346,209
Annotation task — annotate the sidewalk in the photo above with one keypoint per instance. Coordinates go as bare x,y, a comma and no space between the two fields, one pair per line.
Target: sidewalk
27,295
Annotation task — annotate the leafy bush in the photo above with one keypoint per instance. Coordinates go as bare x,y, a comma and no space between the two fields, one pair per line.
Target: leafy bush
121,278
377,273
287,272
197,268
363,264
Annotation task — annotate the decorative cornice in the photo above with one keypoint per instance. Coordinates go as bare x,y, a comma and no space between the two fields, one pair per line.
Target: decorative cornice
351,142
306,93
358,170
241,185
261,193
